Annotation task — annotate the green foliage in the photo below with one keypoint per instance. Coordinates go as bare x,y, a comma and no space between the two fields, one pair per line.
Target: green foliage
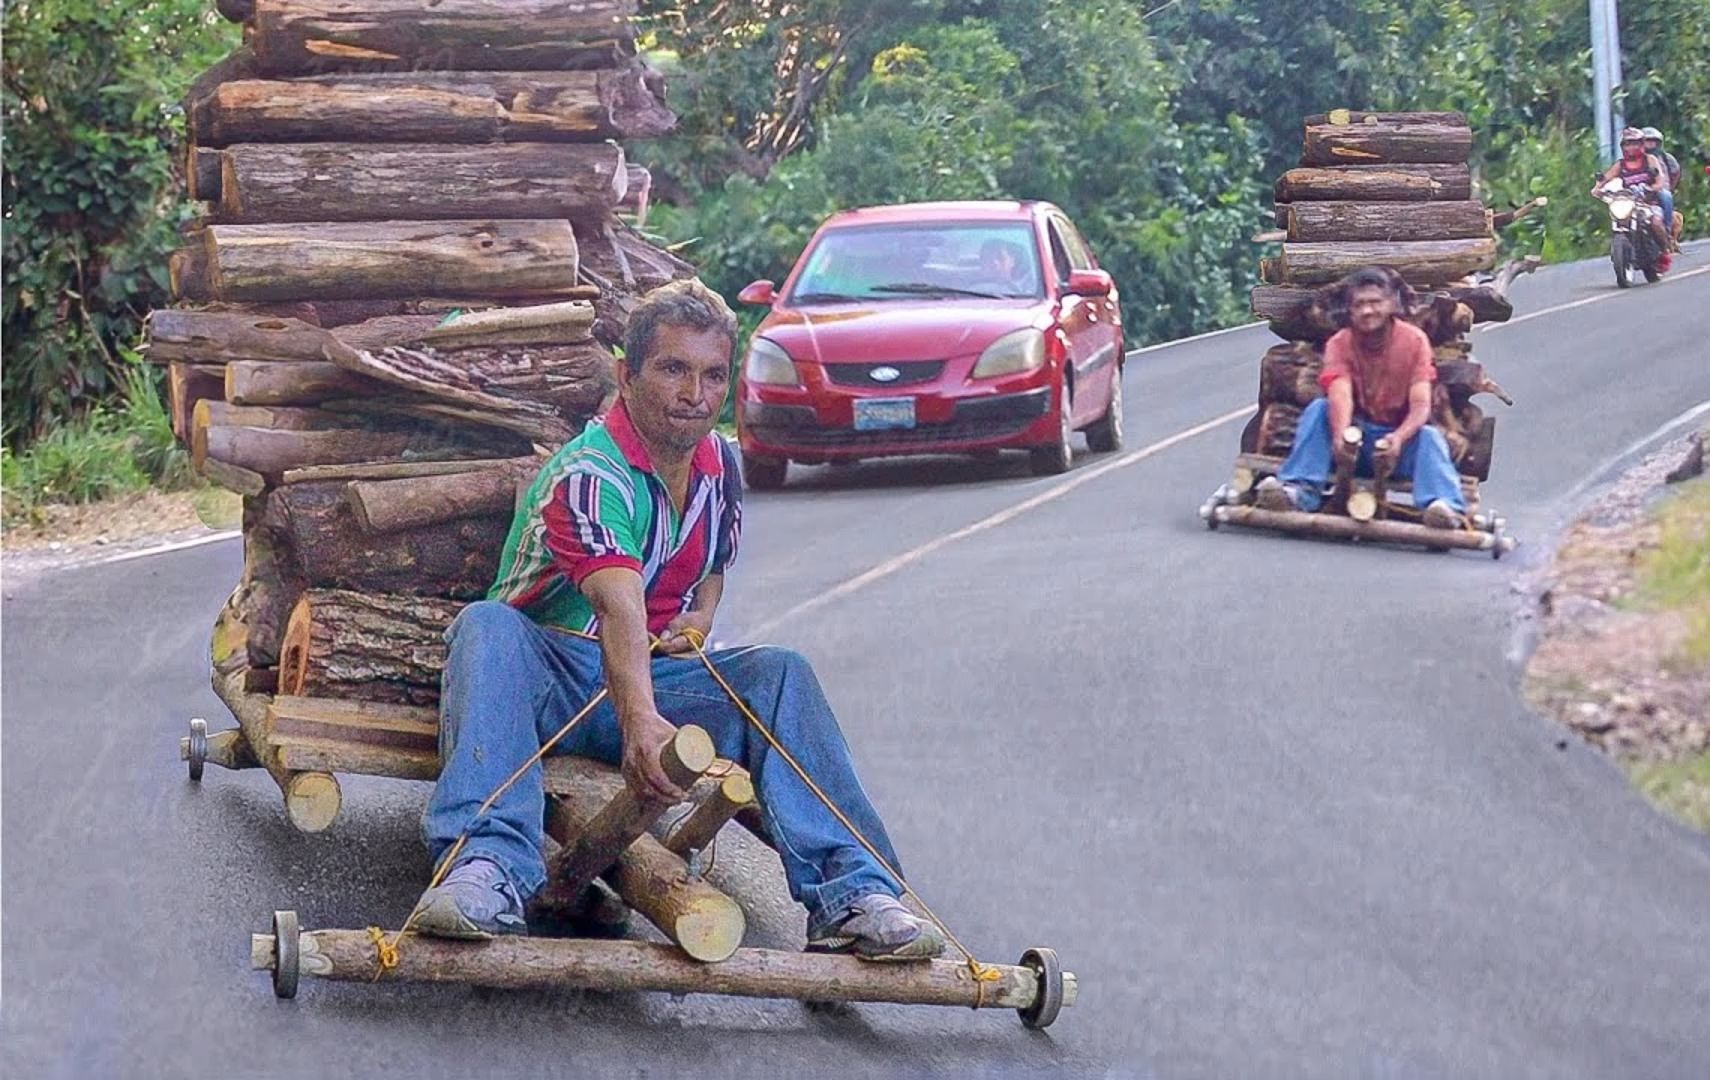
90,210
1160,136
110,449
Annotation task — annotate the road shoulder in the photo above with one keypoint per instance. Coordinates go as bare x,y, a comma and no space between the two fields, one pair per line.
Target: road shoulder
1623,648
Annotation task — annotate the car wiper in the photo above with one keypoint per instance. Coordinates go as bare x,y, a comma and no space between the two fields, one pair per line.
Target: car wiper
929,289
823,298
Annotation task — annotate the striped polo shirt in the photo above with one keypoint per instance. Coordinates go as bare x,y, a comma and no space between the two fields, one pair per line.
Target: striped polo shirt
598,503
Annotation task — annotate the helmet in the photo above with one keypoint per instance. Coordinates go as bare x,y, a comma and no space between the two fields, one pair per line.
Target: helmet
1652,133
1632,134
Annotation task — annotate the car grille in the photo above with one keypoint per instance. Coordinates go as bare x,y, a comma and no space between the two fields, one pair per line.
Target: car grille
913,371
989,418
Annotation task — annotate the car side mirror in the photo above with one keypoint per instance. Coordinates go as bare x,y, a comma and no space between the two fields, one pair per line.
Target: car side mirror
1089,283
759,292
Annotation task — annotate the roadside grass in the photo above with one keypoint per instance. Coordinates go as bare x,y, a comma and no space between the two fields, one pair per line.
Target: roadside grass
1676,575
1682,787
113,450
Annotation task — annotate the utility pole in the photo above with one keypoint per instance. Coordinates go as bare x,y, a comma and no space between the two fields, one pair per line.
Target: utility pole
1606,77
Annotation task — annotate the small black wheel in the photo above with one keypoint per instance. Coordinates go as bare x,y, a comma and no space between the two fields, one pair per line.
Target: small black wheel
764,474
1049,1003
287,954
198,753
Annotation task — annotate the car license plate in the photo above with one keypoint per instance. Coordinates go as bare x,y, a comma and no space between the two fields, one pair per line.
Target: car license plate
883,414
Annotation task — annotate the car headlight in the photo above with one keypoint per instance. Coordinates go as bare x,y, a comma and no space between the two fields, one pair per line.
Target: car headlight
1023,350
1621,209
769,365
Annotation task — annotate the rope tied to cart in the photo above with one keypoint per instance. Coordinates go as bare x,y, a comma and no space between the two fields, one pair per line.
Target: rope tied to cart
387,949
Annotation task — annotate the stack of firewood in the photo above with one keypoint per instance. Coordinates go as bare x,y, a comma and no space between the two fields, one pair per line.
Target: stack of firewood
414,258
1393,190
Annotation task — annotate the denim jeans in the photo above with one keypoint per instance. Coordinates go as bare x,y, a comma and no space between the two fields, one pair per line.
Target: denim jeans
510,684
1424,460
1666,198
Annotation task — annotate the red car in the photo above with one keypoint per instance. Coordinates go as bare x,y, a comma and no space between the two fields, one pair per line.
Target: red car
933,328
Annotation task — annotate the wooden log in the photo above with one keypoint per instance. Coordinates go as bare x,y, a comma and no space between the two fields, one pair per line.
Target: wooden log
435,106
188,384
1375,183
188,273
697,830
232,477
267,382
536,963
702,921
298,36
270,452
312,798
328,181
227,749
1376,139
1333,221
390,259
389,470
1344,528
1420,262
1481,445
202,167
261,603
1277,422
1289,374
627,816
1294,312
382,647
386,506
311,525
213,412
364,737
625,267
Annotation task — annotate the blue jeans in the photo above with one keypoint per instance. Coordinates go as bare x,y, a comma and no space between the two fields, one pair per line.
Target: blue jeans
1424,460
510,684
1666,198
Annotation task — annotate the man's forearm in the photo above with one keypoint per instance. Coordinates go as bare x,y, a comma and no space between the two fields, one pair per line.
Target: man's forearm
1341,396
624,645
1418,415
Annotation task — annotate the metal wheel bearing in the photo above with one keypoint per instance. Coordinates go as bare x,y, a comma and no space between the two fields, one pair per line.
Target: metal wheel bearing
198,754
1049,1003
287,954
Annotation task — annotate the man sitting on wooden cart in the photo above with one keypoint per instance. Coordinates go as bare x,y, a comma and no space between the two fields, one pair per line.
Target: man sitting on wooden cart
1378,372
611,576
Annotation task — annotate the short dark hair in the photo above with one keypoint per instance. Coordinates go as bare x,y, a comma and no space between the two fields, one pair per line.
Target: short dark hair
688,304
1373,277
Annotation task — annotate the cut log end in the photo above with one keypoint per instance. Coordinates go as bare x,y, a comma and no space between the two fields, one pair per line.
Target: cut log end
312,801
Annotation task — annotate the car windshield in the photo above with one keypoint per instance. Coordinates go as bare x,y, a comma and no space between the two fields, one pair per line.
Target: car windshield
996,260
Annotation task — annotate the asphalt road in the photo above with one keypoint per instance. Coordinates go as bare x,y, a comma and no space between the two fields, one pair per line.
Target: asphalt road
1277,802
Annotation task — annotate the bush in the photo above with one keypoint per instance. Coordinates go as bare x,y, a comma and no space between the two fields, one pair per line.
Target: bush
90,201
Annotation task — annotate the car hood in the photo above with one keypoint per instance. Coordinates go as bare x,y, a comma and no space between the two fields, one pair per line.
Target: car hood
890,331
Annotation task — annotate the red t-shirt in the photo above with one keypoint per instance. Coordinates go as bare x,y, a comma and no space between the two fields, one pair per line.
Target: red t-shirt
1381,382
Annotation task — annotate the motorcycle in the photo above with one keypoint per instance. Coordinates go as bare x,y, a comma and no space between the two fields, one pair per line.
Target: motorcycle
1633,243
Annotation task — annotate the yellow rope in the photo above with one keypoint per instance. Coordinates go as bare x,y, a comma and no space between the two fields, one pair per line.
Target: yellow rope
387,952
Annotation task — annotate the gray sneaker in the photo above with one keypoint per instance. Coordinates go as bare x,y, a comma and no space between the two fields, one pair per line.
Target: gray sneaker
1274,494
475,901
878,927
1440,515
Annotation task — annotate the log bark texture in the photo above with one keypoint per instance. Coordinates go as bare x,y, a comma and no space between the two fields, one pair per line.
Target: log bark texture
312,529
1420,262
306,36
270,451
625,267
268,382
438,107
389,506
1375,183
312,798
385,647
187,384
1376,139
1335,221
390,259
335,181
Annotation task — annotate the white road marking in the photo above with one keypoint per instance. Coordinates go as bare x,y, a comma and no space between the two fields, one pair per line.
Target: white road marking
1601,473
162,549
1491,328
1196,337
1009,513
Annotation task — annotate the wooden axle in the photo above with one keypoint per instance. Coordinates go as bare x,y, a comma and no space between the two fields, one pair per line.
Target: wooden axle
312,798
517,963
1346,528
695,832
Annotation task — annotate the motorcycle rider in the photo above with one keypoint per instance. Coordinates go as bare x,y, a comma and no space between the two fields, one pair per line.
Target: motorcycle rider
1635,167
1654,147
